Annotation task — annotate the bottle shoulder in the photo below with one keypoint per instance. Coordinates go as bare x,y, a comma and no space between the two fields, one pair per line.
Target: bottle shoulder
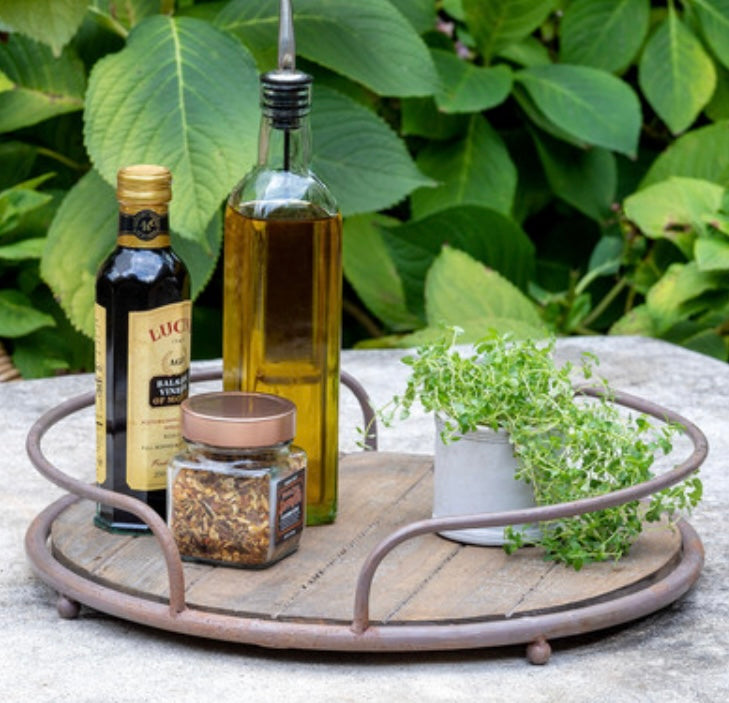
266,193
145,266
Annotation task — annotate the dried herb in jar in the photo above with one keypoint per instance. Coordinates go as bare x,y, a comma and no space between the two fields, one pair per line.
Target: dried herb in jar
241,500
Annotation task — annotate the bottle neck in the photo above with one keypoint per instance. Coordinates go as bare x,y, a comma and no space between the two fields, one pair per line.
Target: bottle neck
285,149
143,225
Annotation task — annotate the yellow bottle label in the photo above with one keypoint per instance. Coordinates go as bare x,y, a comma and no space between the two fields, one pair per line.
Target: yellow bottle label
158,379
100,371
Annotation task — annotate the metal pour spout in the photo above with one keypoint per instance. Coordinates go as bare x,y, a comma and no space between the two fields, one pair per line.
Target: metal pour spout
286,41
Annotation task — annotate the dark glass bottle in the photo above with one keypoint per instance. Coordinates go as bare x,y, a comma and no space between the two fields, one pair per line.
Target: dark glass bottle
283,284
142,317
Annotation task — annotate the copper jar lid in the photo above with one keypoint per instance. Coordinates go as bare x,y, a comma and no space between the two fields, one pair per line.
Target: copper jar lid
235,419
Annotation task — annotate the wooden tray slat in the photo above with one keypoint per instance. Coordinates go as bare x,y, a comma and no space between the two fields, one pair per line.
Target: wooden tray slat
425,579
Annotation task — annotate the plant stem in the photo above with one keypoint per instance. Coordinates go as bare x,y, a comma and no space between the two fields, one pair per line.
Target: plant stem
108,21
61,158
360,316
600,308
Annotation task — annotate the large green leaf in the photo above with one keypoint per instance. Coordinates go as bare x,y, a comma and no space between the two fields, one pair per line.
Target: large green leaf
488,236
637,321
17,202
465,87
371,271
39,86
18,317
476,169
179,94
675,296
585,178
700,153
497,23
674,208
718,107
364,162
528,52
81,237
421,117
420,13
714,18
52,22
370,42
712,253
675,74
17,159
603,34
538,118
23,250
117,15
589,104
462,291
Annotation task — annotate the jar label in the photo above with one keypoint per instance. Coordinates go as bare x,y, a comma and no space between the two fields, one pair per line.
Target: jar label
100,381
158,380
290,506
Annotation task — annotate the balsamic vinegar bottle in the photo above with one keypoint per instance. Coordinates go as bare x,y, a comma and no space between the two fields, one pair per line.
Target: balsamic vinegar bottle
142,349
283,279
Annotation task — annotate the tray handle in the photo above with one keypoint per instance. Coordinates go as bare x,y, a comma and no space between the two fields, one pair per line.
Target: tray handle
361,619
92,492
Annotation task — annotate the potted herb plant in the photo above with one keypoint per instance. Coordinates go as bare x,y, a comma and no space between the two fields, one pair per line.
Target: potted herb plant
560,448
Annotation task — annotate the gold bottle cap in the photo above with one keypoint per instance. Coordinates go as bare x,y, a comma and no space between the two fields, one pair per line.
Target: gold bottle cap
144,183
235,419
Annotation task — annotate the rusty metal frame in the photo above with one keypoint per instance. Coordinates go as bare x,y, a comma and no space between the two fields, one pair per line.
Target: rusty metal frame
360,634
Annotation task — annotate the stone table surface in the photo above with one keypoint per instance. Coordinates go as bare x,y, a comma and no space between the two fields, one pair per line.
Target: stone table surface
678,654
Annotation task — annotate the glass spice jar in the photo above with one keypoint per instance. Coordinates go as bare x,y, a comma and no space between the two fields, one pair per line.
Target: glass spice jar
236,494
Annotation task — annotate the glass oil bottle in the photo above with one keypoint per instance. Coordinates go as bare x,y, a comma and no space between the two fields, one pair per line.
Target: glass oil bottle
283,279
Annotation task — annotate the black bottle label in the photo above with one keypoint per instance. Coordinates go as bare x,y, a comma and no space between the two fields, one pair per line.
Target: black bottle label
144,228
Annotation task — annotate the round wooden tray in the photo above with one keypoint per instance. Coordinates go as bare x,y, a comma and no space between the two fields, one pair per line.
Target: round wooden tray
378,579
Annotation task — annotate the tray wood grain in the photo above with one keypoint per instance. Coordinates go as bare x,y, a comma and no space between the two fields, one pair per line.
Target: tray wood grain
427,579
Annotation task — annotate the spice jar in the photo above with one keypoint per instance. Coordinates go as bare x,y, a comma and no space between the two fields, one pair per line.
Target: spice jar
236,495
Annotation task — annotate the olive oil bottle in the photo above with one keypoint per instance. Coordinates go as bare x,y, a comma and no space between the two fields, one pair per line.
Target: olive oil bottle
142,349
283,279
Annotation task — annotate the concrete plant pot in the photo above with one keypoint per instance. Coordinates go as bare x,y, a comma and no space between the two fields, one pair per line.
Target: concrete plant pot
475,474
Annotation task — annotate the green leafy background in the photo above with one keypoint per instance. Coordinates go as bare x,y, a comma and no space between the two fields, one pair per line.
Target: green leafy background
525,165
